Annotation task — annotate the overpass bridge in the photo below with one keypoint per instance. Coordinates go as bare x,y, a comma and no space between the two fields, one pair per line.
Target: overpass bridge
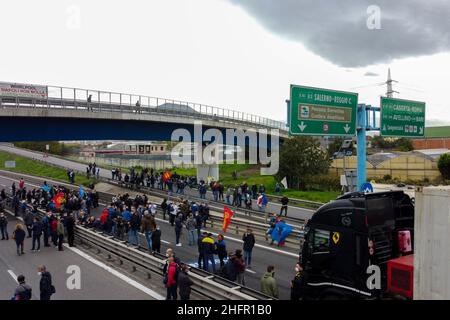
36,112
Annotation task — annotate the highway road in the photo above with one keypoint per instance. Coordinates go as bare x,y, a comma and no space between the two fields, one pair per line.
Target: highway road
263,254
272,207
97,281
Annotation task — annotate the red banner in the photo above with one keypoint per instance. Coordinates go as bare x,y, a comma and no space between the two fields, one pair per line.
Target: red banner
227,215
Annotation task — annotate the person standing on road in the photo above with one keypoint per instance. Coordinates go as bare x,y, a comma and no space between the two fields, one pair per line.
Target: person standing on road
208,252
184,283
28,220
156,240
37,233
147,227
239,265
249,243
171,279
269,284
284,206
45,285
19,236
4,226
298,283
70,227
23,291
54,230
164,206
21,184
46,227
221,249
192,233
178,228
133,230
60,233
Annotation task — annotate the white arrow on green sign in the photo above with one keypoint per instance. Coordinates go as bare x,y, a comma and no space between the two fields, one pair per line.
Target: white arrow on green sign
402,118
322,112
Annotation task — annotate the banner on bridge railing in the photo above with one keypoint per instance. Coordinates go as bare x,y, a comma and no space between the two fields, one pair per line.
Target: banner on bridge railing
22,90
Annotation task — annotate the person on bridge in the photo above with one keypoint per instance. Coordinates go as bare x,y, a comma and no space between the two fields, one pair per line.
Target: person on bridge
23,291
37,233
184,282
164,206
239,264
28,220
133,230
284,206
249,242
21,184
89,100
19,237
45,284
4,226
269,284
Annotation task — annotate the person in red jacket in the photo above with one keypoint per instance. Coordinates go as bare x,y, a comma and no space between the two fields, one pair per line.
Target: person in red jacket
172,275
21,183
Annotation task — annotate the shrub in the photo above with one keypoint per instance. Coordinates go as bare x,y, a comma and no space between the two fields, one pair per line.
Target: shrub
444,165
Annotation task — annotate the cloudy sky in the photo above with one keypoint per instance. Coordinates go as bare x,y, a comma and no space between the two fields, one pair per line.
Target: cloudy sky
237,54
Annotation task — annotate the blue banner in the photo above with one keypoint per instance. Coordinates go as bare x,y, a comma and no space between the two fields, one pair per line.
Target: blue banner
81,191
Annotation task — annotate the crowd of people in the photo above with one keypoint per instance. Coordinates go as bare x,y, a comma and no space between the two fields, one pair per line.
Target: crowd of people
124,218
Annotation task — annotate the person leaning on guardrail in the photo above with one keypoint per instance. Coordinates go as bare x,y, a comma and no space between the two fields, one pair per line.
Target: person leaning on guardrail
184,282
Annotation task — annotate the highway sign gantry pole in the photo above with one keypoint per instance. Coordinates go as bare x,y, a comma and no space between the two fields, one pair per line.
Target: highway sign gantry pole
361,146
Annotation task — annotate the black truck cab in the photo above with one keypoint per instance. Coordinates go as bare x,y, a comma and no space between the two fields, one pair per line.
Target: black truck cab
347,239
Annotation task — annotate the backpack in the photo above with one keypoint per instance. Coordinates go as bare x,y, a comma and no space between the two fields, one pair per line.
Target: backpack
25,295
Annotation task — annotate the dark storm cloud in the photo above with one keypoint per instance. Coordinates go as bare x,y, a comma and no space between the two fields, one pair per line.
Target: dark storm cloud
337,29
371,74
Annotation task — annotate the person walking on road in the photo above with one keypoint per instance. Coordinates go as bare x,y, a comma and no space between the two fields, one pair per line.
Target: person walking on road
60,233
269,284
19,237
249,243
46,228
37,233
184,283
178,228
4,226
23,291
284,205
45,285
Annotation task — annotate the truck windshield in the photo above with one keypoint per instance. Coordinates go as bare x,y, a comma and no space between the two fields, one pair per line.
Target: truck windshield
379,211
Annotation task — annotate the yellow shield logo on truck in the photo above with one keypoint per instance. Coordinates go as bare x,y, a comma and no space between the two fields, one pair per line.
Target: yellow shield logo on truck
336,237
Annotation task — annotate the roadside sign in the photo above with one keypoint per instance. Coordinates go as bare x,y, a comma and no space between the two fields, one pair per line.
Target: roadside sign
10,164
402,118
322,112
47,147
367,187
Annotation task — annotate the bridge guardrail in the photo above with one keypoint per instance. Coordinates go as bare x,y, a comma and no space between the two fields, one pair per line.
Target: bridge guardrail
76,98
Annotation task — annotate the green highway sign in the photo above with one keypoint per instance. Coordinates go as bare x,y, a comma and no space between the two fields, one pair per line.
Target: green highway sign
322,112
402,118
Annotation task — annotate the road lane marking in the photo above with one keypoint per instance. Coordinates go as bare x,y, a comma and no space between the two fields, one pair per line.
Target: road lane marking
13,275
239,240
119,275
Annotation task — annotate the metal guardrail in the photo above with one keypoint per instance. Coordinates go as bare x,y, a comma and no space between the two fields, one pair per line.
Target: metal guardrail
205,283
104,101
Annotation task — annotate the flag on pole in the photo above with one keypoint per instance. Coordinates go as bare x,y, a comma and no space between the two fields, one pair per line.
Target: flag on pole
284,183
82,193
58,200
166,176
227,215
